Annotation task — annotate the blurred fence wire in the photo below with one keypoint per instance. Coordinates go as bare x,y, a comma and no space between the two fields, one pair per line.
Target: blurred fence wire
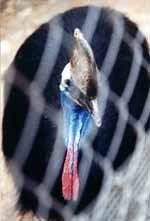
125,194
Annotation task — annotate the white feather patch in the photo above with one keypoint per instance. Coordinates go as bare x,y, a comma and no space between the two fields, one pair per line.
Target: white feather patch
66,74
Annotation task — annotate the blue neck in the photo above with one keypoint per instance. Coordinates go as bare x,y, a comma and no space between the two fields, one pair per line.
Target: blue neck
76,121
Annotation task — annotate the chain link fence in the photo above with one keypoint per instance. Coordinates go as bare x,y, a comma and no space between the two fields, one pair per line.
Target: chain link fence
125,193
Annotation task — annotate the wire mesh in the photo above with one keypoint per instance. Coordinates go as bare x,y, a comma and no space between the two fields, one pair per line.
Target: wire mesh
125,194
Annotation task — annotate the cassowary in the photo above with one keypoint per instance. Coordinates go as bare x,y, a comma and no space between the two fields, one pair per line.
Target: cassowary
56,121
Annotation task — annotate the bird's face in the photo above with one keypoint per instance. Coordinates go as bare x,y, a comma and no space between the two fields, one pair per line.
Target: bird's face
79,100
88,103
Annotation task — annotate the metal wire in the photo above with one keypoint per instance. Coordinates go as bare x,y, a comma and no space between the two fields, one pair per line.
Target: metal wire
121,191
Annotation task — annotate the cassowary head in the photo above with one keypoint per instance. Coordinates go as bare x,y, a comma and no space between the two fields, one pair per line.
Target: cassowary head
79,100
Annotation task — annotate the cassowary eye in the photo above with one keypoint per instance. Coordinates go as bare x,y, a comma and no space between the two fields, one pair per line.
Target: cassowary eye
68,82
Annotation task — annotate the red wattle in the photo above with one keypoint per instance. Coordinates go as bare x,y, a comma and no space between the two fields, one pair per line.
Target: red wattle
70,181
67,178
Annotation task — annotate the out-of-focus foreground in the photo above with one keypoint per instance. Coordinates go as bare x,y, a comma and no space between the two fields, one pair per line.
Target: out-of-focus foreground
19,18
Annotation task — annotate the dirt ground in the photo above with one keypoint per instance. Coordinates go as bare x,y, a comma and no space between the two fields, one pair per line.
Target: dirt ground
18,20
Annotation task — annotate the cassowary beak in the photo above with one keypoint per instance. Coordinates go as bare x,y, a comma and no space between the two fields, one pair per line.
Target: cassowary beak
83,101
95,112
73,92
